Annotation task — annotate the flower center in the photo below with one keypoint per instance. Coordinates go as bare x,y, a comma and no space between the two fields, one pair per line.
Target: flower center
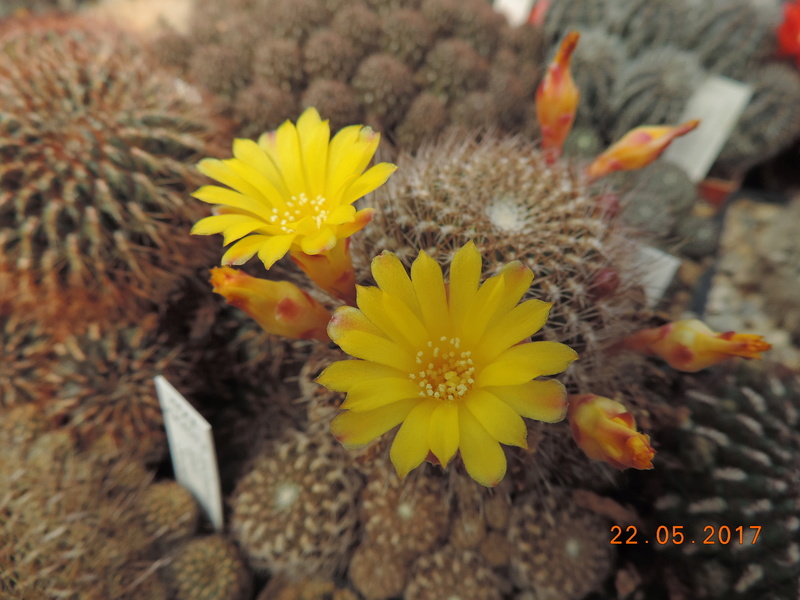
446,372
297,208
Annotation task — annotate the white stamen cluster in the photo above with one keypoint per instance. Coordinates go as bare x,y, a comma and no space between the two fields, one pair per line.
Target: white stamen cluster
448,373
297,208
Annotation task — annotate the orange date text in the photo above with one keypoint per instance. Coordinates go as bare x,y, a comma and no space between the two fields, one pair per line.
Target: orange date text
674,534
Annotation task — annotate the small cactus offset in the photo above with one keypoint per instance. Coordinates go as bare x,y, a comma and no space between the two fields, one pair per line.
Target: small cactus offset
208,568
96,153
769,124
729,37
646,24
294,512
654,89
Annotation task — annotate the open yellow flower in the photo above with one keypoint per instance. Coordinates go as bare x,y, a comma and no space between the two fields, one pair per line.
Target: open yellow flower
293,191
451,363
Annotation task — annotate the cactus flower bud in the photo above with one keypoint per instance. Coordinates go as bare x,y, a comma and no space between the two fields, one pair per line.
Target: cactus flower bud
637,148
690,345
605,430
557,98
279,307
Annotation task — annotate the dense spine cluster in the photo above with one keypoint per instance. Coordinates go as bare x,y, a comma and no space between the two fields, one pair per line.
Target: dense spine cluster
96,161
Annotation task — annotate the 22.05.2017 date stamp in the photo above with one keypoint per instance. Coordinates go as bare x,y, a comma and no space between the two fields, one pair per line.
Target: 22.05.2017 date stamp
714,534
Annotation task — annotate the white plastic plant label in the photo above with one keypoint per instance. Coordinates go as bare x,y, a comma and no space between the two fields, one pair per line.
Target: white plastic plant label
516,11
657,272
191,446
718,103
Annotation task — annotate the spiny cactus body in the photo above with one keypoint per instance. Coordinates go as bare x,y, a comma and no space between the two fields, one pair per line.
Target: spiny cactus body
96,161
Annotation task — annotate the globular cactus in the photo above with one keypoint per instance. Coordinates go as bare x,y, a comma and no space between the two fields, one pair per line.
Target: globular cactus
770,122
453,573
104,385
553,539
294,512
169,512
729,37
728,474
97,153
564,15
647,24
208,568
501,194
657,198
654,89
69,521
367,62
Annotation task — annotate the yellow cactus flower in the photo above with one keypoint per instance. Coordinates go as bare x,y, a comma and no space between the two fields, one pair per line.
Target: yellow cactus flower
557,98
450,362
691,345
637,148
605,430
280,307
293,191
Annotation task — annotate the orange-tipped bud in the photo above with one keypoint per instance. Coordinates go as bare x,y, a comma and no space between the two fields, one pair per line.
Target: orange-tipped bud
605,430
557,98
279,307
690,345
637,148
331,270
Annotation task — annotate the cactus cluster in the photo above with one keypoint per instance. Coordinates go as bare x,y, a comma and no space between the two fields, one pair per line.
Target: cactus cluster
657,52
732,462
96,153
375,62
66,514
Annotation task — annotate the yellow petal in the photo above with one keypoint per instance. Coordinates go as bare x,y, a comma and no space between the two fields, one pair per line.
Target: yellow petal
426,276
370,302
481,310
221,171
355,429
239,230
465,276
524,362
406,323
344,374
244,249
501,421
320,242
341,214
274,249
219,223
290,160
213,194
517,279
443,435
515,326
482,454
368,395
254,155
541,400
410,446
268,193
378,349
360,220
314,134
374,178
349,318
341,163
392,277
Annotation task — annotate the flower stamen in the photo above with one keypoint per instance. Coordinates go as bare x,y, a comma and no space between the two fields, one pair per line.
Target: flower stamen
449,374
